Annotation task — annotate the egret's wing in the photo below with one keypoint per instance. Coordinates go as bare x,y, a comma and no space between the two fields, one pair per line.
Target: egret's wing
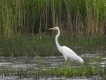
67,52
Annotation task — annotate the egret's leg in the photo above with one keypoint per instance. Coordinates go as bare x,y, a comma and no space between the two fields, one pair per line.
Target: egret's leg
65,63
69,63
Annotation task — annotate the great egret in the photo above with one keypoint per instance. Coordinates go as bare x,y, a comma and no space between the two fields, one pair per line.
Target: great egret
67,52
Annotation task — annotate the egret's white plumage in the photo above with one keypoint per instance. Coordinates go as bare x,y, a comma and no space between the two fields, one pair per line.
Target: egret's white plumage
67,52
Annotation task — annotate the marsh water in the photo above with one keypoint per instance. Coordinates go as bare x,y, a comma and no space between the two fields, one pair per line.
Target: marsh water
13,68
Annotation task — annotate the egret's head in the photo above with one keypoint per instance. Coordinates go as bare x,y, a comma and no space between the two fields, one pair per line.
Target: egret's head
54,28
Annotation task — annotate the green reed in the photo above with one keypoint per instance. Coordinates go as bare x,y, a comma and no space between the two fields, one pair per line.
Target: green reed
22,17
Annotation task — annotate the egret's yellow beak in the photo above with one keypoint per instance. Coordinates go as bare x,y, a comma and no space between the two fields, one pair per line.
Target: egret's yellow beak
51,29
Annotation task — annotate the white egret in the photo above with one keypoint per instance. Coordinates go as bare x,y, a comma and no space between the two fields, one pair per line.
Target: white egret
67,52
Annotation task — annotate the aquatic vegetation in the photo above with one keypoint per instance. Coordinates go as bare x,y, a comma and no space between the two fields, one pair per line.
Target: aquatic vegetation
85,70
45,45
41,67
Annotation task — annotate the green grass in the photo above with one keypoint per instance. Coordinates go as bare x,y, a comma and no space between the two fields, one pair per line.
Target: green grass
87,70
45,45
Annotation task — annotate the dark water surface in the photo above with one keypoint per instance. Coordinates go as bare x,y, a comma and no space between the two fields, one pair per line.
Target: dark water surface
9,67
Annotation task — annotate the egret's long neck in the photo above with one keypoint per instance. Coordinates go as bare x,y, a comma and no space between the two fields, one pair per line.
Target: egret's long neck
56,40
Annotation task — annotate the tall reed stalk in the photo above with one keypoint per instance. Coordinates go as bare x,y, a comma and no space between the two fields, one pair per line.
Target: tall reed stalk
83,17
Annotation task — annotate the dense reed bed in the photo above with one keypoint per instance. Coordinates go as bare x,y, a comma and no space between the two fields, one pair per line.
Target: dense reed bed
82,17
